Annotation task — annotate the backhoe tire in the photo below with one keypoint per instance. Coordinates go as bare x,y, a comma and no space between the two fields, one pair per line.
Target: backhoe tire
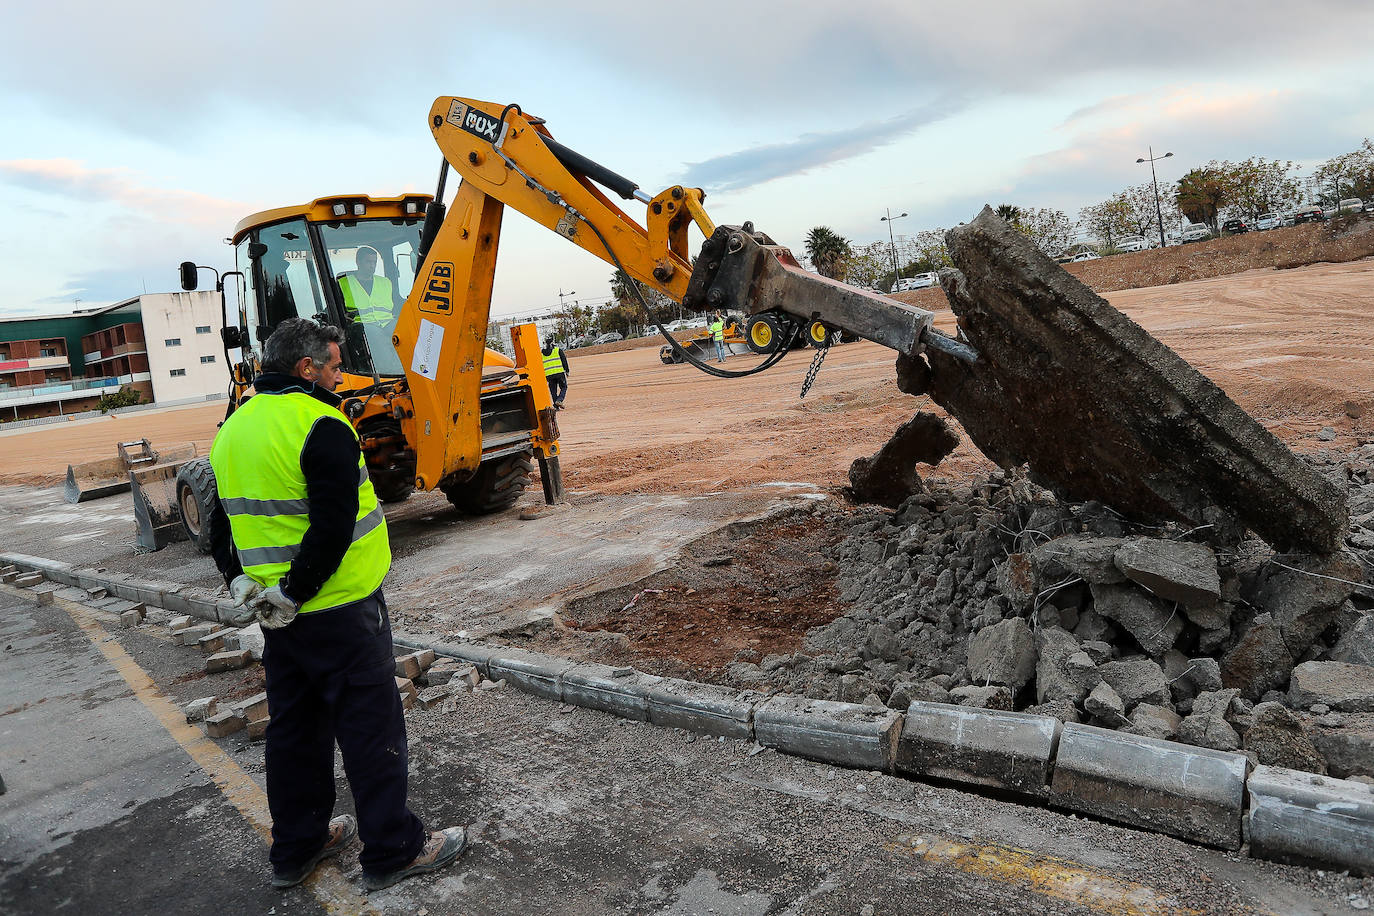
198,501
763,334
818,335
496,486
392,488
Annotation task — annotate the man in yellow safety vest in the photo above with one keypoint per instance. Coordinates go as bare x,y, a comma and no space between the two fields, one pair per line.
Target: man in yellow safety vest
718,336
367,296
556,371
301,540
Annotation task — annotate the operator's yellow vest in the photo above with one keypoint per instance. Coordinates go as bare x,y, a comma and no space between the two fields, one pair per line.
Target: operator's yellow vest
369,308
257,462
717,330
553,363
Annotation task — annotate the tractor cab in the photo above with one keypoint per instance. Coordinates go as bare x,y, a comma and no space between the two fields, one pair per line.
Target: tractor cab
347,260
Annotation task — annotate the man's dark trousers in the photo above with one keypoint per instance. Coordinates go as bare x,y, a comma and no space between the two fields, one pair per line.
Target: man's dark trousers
558,387
331,676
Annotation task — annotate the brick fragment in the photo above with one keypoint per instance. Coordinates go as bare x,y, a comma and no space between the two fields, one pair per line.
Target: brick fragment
179,623
201,709
252,708
212,642
97,592
456,674
29,580
433,696
408,666
228,661
224,723
426,658
45,596
129,619
408,691
257,729
9,575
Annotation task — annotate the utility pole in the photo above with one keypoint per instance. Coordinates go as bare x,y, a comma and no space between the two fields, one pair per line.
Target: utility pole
891,243
1154,179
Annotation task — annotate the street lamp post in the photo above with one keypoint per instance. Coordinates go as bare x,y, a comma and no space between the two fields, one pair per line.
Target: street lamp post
562,295
1159,214
891,242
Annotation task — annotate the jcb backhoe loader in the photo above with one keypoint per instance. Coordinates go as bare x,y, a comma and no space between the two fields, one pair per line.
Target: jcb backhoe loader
433,405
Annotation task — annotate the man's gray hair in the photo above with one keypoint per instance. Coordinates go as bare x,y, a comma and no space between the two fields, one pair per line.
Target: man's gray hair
296,338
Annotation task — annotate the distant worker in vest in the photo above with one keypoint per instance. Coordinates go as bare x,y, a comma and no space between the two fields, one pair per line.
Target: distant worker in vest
367,296
302,543
556,370
718,336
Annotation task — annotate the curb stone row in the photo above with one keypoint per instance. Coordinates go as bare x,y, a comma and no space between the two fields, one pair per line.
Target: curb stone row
1196,794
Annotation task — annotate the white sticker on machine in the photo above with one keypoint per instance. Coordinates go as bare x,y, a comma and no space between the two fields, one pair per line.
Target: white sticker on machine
427,350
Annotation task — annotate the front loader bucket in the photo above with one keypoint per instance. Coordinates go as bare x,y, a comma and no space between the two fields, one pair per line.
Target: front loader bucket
157,512
95,479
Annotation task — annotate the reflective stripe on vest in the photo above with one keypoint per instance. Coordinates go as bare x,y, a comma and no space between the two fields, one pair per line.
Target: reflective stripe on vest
257,462
553,363
717,330
369,308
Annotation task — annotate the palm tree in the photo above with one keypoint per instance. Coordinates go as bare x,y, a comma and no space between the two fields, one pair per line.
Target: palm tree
1009,212
828,251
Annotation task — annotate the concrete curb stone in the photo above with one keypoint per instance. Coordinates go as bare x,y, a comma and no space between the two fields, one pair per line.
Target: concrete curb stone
844,733
1305,819
532,672
705,708
1188,792
1004,750
621,691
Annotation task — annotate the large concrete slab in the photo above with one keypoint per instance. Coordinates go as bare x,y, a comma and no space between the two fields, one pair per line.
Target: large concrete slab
1306,819
1189,792
707,709
1102,410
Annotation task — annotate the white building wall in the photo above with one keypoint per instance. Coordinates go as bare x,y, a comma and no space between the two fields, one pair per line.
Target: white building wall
184,317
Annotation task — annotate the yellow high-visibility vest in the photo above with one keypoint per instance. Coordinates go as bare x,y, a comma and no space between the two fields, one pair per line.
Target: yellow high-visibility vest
369,308
717,330
257,462
553,363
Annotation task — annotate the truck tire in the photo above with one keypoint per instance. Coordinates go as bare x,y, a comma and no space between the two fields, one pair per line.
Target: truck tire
197,500
763,334
497,485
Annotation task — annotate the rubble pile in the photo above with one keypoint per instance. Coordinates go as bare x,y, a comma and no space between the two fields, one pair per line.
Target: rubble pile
1002,596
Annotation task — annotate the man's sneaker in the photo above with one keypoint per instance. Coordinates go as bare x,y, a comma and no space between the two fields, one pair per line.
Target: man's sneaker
342,830
441,849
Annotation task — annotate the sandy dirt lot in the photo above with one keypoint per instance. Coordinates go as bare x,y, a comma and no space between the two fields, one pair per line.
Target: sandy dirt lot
1294,347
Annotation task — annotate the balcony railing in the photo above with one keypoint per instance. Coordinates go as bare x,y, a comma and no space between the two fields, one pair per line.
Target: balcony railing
94,385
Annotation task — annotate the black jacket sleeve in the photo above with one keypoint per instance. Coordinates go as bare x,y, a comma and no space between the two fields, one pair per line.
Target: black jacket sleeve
222,544
564,357
329,462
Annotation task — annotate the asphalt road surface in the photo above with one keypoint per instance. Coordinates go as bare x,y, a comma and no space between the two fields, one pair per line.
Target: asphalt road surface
115,805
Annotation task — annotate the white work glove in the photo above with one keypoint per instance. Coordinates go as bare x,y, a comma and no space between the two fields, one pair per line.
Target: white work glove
274,609
243,589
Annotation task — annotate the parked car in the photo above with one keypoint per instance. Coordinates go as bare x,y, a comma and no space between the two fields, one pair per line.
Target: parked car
579,341
1087,256
920,281
1308,215
1268,221
1350,205
609,337
1235,226
1196,232
1133,243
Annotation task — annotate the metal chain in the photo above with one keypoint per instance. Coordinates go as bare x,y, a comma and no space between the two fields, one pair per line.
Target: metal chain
815,367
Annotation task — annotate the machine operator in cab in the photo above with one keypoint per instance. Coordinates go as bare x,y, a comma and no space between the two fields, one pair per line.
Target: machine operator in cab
368,296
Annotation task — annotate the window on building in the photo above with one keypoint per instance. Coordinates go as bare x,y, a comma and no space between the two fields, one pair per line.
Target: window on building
207,359
48,351
202,329
178,372
173,341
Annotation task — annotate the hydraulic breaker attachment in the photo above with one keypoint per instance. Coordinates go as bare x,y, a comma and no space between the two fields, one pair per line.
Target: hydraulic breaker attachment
742,269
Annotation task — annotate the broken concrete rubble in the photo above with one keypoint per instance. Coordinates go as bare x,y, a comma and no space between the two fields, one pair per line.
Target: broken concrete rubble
1057,361
890,476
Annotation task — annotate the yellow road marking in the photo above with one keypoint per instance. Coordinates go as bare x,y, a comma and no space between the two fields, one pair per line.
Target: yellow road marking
328,884
1049,876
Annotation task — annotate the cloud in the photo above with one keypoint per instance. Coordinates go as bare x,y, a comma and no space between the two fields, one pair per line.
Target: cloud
121,187
759,164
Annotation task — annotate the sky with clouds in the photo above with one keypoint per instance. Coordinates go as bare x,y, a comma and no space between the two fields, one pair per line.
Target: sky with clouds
135,135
